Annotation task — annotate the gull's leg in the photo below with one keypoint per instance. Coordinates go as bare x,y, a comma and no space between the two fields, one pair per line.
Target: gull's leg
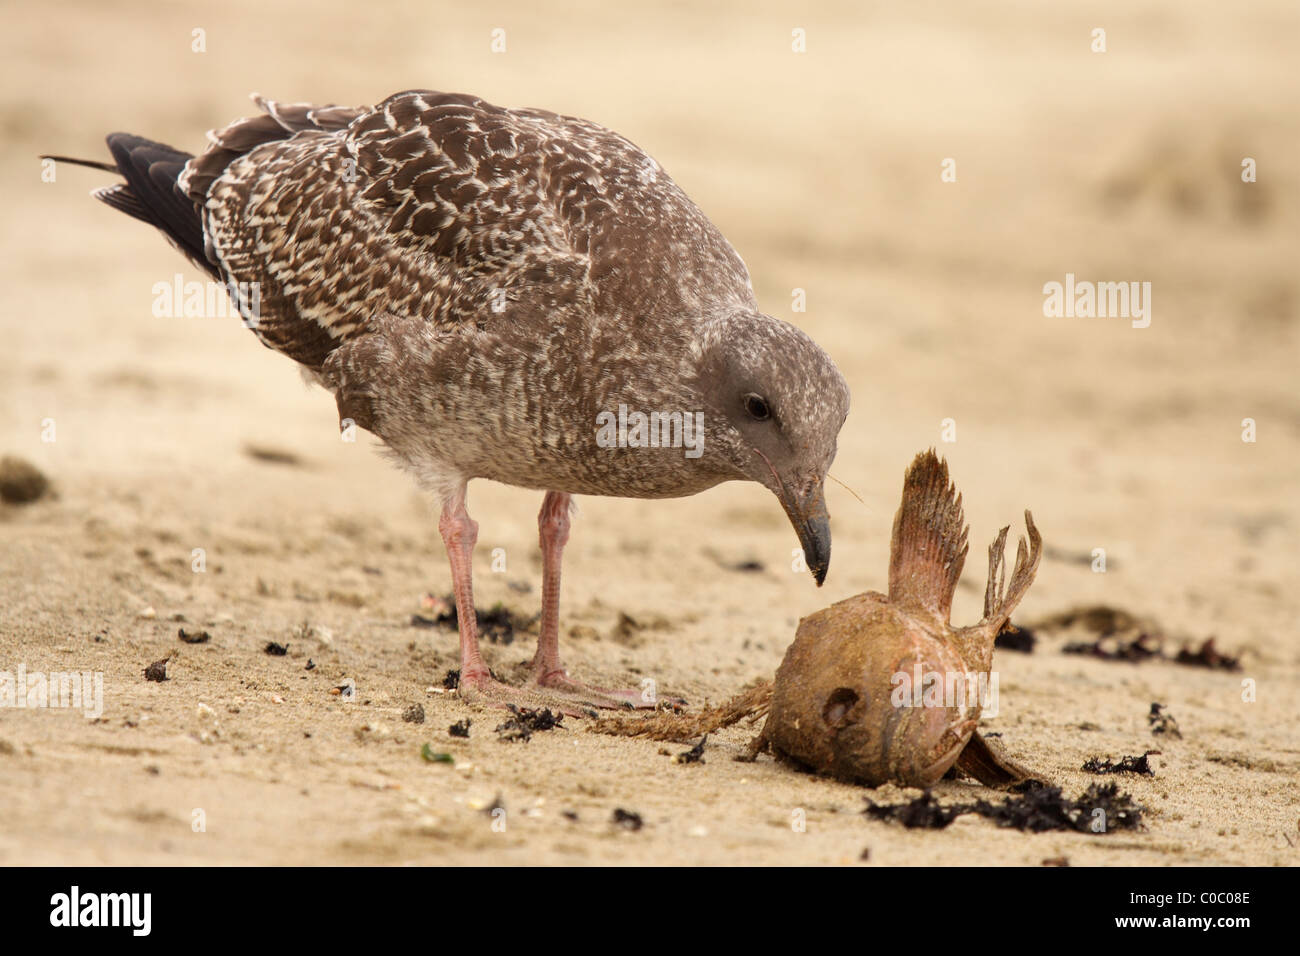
549,672
460,534
553,535
477,685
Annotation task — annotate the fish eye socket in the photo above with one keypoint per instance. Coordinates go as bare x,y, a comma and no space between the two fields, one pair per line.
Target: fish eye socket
757,407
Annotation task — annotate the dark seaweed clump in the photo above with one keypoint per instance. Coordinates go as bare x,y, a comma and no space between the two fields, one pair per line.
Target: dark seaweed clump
497,625
1039,808
627,819
1012,638
1208,656
1162,722
1143,647
1139,765
527,722
695,754
923,813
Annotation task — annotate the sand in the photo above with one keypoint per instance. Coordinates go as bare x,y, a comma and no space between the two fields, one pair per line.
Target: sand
823,168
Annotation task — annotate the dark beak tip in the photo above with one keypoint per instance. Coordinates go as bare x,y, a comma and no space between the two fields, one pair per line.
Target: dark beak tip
812,526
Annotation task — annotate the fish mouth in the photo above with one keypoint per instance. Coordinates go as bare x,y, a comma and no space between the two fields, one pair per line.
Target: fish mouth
812,523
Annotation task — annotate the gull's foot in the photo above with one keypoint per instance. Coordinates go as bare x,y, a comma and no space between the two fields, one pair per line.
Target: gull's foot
637,698
484,690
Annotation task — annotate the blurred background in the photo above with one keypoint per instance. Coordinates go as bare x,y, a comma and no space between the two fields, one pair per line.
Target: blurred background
823,167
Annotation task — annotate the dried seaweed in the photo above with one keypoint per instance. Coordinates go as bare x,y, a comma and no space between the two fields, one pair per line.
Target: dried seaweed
498,625
923,813
157,671
1141,647
1162,722
1013,638
627,819
526,722
695,754
1208,656
1040,808
1122,636
1138,765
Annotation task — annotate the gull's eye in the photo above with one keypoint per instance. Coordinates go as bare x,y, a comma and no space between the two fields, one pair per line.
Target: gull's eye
756,405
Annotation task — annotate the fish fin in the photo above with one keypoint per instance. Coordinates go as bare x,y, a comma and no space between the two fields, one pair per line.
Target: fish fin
999,603
991,767
929,541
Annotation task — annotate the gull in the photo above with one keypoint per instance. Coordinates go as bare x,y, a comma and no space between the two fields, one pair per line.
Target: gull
502,294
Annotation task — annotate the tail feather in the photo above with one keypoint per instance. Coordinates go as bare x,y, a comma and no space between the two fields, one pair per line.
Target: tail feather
167,188
90,163
151,193
122,199
151,171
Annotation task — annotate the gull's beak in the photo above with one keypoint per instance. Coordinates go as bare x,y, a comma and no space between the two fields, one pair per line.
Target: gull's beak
812,524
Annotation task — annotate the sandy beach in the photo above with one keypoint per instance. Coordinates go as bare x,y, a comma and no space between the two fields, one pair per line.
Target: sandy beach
197,485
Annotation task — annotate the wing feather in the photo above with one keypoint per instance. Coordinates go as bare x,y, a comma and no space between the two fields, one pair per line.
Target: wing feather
444,209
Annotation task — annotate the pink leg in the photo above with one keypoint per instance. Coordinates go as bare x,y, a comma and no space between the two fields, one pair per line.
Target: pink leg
460,534
553,535
549,672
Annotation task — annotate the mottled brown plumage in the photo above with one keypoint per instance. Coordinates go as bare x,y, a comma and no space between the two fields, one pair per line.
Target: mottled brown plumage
476,285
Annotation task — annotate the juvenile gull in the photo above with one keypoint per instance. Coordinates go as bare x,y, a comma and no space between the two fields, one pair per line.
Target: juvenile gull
502,293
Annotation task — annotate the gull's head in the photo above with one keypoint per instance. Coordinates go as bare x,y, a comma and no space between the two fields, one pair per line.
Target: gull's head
775,403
